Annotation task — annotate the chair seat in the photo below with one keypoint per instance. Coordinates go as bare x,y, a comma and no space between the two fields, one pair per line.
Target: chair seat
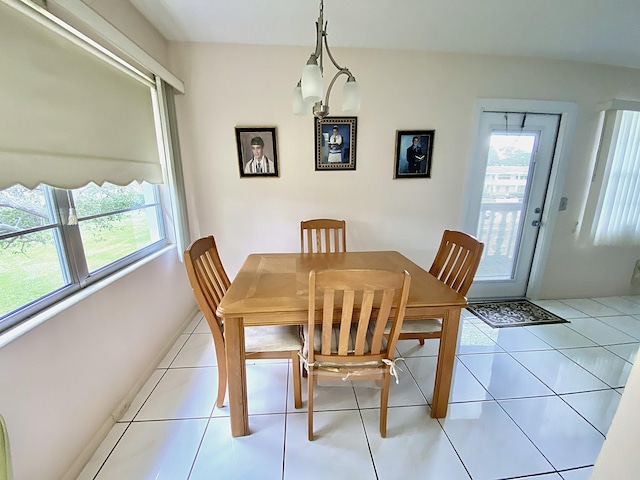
337,372
272,338
427,325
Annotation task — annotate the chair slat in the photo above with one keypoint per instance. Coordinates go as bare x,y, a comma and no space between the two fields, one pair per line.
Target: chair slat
364,321
348,299
327,321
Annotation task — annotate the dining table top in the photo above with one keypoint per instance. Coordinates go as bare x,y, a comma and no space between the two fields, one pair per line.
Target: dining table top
277,284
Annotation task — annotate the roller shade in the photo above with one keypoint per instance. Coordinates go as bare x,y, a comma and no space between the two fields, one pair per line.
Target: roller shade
67,117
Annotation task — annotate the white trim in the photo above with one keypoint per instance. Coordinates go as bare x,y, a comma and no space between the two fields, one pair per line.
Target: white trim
116,38
616,104
50,21
174,180
568,112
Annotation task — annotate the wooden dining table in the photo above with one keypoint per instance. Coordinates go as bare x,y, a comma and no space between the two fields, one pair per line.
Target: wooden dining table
272,289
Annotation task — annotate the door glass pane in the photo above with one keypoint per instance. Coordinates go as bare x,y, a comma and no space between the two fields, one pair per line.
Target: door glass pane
503,202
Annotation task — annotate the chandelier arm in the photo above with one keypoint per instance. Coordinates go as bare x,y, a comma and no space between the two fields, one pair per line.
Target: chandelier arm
319,34
326,46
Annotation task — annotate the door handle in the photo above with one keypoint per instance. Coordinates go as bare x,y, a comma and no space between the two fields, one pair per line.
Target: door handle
536,223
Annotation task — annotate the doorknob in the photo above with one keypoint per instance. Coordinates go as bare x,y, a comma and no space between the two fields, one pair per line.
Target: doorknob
536,223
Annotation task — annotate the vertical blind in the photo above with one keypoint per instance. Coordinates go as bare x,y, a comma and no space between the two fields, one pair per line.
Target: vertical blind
67,117
617,220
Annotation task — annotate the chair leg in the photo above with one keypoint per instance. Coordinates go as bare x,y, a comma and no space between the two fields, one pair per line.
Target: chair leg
222,378
421,340
384,403
297,388
310,405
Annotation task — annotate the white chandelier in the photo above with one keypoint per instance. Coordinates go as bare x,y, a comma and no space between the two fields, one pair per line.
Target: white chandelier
310,89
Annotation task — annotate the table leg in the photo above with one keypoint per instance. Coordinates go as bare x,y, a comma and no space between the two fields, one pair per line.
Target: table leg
236,376
446,360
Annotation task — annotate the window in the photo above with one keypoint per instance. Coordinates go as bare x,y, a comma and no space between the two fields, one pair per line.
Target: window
46,254
617,213
84,115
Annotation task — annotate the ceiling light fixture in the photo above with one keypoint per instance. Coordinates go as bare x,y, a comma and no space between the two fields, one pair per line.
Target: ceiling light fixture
310,89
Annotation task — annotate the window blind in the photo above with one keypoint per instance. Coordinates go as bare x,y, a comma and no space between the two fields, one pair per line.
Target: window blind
67,117
617,219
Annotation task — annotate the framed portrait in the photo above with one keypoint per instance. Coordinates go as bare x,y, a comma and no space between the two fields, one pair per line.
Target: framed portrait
257,151
336,143
414,149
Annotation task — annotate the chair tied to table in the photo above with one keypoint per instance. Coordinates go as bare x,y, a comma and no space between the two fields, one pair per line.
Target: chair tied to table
349,342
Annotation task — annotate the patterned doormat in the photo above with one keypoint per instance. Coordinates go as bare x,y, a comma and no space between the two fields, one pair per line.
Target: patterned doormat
513,313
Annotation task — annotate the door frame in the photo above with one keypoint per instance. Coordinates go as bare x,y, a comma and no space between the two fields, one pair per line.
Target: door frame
559,168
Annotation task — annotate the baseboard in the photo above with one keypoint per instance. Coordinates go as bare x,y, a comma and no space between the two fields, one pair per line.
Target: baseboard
83,458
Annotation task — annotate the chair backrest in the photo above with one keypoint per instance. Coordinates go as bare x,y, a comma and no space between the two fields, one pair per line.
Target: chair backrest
208,280
323,235
457,260
362,300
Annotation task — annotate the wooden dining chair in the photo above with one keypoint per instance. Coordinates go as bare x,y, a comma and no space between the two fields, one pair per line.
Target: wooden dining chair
323,235
455,264
349,342
210,282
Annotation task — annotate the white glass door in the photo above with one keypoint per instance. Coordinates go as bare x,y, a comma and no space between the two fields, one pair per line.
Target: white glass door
511,174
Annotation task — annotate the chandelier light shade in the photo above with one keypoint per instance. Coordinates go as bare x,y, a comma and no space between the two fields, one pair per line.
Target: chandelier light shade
310,88
299,105
312,81
351,96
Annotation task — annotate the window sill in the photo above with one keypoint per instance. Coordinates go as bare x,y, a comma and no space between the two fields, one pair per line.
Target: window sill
31,323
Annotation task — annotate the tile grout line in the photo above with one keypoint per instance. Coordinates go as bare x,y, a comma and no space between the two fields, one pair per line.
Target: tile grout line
366,435
195,457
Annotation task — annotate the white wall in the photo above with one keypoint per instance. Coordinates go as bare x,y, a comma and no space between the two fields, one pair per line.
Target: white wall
244,85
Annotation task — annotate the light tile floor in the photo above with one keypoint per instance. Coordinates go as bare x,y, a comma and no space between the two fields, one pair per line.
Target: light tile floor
526,402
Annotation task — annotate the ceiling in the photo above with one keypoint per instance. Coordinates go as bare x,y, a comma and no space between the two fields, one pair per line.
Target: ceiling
600,31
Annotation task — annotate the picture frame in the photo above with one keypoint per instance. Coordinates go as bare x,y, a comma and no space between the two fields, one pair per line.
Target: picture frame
412,163
248,140
336,155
